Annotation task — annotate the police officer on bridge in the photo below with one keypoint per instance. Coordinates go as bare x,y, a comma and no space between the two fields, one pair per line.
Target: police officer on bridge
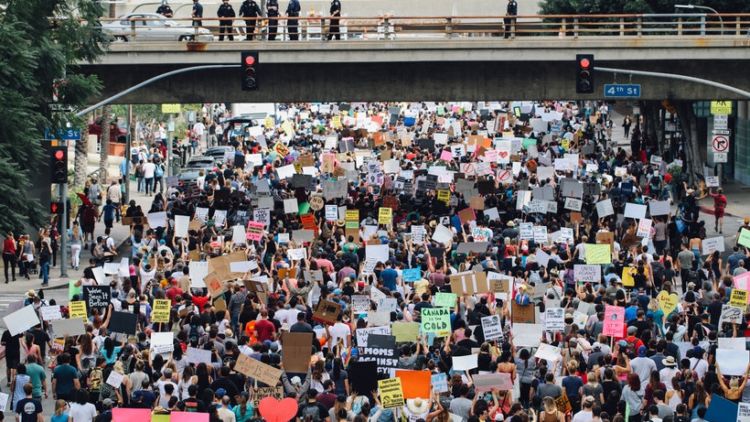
333,26
165,10
510,20
225,25
292,25
250,11
272,10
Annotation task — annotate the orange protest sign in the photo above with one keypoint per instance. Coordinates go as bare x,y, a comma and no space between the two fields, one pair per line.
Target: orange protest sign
415,384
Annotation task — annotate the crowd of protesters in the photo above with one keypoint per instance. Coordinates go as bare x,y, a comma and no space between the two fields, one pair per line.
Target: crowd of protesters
487,157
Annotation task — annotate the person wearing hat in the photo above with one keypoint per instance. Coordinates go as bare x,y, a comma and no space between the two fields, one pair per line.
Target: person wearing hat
643,366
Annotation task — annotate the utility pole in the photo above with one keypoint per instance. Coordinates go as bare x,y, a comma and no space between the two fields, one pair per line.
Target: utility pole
64,222
128,146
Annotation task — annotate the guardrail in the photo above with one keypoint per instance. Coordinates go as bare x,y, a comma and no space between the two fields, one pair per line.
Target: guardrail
147,27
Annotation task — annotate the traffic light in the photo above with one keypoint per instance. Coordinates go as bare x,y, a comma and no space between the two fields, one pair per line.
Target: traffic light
249,70
58,165
585,75
56,208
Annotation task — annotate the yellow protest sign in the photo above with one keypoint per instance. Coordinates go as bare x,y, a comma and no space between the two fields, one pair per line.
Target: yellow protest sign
738,298
171,108
336,122
565,144
268,122
352,215
77,309
598,254
405,331
385,216
667,302
444,195
287,128
161,310
281,149
391,394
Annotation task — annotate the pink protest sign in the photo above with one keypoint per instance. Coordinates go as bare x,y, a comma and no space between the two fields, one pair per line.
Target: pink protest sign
120,414
742,281
446,155
255,230
188,417
614,321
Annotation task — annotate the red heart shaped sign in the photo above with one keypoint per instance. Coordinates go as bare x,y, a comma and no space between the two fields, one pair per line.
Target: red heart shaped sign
503,154
274,410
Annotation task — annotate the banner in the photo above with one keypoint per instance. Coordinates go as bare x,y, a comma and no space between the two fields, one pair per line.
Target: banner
162,308
614,321
391,394
435,320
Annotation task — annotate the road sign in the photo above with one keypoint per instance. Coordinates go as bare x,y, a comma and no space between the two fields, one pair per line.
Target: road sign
721,157
721,122
622,90
721,132
170,108
720,143
721,108
63,134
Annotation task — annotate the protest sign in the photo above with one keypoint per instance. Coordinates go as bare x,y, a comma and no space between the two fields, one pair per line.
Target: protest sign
415,384
405,331
391,394
492,327
122,322
439,383
258,370
435,320
488,382
360,304
554,319
327,312
161,310
731,314
445,299
50,313
97,297
523,313
732,362
527,335
548,352
68,327
738,298
362,334
598,254
382,350
297,351
411,275
587,273
713,244
77,309
465,363
614,321
469,283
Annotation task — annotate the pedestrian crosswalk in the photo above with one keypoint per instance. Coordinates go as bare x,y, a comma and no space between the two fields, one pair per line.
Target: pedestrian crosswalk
10,302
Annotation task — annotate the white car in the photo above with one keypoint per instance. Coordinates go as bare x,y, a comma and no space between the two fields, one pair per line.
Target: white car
153,27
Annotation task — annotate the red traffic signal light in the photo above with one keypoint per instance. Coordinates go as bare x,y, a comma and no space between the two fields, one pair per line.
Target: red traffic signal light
55,208
58,165
585,75
249,64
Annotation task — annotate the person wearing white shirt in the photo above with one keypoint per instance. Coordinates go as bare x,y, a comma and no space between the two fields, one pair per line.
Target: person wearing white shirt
668,372
149,168
340,331
81,410
586,414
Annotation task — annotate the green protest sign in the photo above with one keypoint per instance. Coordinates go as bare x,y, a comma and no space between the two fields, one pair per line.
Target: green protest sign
435,320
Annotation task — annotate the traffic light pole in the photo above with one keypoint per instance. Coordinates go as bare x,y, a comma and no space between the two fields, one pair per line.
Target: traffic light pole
64,225
674,76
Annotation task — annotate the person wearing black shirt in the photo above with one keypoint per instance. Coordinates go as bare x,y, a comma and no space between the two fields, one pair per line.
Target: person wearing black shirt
292,11
12,344
29,409
251,10
510,10
225,25
192,403
333,26
165,10
272,10
197,13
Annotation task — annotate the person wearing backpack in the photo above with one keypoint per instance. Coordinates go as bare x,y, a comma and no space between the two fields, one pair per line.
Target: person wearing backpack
95,378
159,176
312,411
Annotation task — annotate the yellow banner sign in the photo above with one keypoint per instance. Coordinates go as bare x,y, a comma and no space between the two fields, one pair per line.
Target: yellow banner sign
161,310
77,309
171,108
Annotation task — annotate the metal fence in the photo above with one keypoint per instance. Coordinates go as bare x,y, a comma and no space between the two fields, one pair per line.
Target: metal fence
151,27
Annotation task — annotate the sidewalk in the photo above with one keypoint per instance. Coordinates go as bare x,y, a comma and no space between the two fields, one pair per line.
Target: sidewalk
119,233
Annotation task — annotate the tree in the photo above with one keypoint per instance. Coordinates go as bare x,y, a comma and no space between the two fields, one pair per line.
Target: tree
558,7
40,40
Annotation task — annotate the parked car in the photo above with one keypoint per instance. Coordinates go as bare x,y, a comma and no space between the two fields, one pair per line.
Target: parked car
200,162
218,153
153,27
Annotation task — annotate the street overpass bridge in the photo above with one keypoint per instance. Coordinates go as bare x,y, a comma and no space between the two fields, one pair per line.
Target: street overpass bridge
442,58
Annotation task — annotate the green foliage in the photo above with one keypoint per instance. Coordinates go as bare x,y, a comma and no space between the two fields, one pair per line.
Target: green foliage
556,7
40,40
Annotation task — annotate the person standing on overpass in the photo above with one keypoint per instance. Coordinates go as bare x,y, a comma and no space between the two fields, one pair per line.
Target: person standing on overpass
165,10
272,11
225,25
510,12
250,11
333,26
292,11
197,13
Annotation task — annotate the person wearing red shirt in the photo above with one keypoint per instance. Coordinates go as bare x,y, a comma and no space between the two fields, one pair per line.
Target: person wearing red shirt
201,301
720,204
9,255
174,291
264,327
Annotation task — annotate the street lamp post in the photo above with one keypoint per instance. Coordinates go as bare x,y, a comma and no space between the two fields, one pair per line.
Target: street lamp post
710,9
